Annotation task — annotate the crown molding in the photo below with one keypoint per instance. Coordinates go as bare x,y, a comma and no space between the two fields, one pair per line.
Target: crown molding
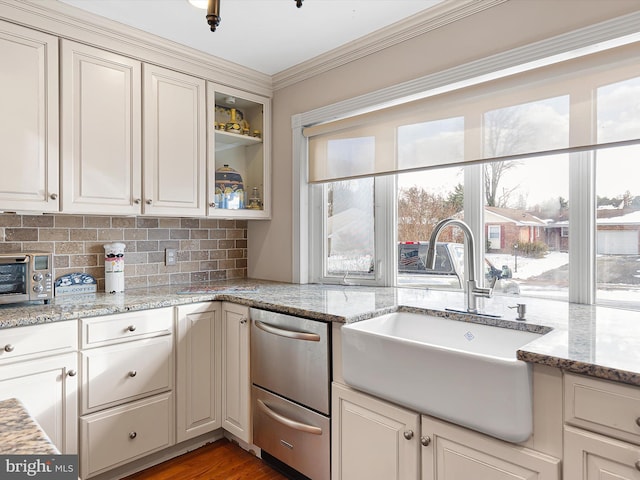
66,21
431,19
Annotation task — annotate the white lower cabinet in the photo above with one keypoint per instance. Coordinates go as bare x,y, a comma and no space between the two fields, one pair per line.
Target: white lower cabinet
127,388
589,456
236,380
198,369
602,429
38,366
372,439
453,453
375,439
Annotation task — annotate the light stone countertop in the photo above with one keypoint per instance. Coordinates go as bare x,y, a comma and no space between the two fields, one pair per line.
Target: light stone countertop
19,432
597,341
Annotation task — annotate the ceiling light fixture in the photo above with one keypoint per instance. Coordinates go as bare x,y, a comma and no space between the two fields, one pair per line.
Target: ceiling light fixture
213,10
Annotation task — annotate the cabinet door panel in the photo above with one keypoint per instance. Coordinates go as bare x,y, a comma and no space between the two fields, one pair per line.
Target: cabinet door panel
198,379
455,453
48,389
589,456
101,131
174,143
369,438
29,120
236,381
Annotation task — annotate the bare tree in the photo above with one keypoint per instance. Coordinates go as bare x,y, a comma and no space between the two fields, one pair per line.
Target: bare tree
418,213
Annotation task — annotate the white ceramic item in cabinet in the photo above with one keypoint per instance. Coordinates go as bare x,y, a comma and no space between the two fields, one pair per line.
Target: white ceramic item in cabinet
28,120
245,150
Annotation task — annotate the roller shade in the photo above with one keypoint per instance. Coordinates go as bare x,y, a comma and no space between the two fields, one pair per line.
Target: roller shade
585,103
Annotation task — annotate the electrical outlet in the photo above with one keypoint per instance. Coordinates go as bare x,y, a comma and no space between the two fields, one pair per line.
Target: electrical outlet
170,256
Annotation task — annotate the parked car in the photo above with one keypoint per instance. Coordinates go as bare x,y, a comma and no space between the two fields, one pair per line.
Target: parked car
448,273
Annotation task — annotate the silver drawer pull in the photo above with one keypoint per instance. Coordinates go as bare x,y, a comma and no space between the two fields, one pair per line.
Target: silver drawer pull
408,434
425,440
133,435
303,427
9,348
131,328
133,373
311,337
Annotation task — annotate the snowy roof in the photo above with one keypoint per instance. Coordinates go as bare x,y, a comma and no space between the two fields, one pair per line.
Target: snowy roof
632,218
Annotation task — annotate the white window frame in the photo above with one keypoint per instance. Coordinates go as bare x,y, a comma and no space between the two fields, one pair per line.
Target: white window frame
582,165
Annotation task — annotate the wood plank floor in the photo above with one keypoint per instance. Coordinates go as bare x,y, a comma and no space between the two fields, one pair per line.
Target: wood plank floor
221,460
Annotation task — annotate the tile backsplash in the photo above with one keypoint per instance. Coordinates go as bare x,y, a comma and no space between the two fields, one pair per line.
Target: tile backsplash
207,249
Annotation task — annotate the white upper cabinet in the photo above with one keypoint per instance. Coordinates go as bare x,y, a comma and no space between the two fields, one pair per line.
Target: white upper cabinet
174,145
29,120
101,131
239,157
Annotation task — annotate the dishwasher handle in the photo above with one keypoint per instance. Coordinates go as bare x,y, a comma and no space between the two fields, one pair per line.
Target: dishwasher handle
311,337
303,427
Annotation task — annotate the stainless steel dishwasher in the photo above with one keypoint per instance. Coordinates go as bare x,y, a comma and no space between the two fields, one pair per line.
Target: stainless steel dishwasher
291,376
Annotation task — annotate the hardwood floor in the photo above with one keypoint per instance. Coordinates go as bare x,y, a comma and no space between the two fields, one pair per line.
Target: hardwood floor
221,460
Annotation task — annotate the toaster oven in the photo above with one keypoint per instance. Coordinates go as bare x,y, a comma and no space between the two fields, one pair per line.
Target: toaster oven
26,277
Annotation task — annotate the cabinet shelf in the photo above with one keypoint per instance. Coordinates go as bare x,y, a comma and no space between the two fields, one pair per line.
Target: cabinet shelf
226,140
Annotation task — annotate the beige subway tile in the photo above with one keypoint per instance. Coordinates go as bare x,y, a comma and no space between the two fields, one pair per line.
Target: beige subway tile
208,244
155,257
241,243
168,268
226,264
235,233
38,247
162,244
96,272
235,253
225,224
208,223
199,255
217,254
83,234
236,273
155,280
83,261
110,234
158,233
226,244
21,234
189,223
147,246
189,266
144,222
209,265
123,222
60,261
241,263
199,234
135,234
91,221
184,256
37,221
70,248
169,223
68,221
179,278
217,234
179,234
218,275
147,269
10,247
135,282
54,234
10,220
189,244
199,276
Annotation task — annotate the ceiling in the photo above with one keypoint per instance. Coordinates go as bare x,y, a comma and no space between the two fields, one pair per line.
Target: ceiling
269,36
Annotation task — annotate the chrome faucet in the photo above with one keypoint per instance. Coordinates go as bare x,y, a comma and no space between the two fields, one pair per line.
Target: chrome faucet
473,291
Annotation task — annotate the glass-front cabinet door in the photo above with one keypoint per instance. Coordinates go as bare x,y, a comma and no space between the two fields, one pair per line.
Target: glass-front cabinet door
239,173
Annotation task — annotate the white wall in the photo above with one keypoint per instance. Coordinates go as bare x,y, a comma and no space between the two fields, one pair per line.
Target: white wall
503,27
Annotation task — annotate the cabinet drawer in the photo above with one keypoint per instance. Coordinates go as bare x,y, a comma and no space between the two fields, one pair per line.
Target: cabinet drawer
22,343
100,331
603,406
121,434
120,373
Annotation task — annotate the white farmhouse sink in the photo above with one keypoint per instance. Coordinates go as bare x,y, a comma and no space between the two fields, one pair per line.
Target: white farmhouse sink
462,372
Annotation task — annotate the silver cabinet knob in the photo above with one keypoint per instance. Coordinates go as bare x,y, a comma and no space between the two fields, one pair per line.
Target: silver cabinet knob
9,348
133,373
131,328
133,435
72,373
137,201
148,202
243,321
53,196
212,204
425,440
408,434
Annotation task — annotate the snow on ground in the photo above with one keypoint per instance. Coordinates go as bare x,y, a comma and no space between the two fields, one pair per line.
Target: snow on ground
529,267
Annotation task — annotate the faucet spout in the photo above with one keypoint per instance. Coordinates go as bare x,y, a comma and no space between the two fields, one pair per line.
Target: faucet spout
473,290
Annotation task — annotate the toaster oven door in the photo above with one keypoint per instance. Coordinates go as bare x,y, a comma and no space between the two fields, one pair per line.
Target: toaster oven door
14,281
